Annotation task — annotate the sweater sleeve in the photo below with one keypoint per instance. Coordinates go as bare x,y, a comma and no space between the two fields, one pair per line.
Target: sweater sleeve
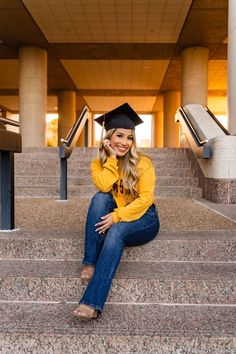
138,207
104,176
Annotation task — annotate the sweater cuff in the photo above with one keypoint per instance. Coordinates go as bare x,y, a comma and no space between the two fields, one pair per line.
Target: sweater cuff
115,217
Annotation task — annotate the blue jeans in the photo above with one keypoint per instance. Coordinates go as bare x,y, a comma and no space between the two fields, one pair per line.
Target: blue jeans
105,250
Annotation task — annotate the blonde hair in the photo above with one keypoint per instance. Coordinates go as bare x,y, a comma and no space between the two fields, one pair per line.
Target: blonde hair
130,175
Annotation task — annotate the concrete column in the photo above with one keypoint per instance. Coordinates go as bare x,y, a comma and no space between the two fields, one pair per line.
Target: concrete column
66,113
158,129
171,128
194,81
231,66
33,96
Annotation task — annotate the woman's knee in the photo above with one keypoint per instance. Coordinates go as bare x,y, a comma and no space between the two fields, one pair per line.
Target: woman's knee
100,198
114,237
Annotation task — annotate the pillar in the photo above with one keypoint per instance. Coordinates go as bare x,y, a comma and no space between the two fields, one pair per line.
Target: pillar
231,66
158,129
194,72
66,113
171,128
33,95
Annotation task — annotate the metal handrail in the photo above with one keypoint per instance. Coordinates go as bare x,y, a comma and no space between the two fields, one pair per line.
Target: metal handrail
67,147
201,140
217,121
10,122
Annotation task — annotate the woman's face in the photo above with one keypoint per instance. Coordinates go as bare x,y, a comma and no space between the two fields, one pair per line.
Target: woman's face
121,141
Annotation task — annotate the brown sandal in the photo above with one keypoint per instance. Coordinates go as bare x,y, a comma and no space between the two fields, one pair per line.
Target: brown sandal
87,273
85,312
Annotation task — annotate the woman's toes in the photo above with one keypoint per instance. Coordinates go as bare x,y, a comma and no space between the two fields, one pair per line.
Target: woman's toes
84,311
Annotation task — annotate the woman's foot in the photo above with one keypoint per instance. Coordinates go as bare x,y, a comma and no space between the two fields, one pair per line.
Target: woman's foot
87,273
86,312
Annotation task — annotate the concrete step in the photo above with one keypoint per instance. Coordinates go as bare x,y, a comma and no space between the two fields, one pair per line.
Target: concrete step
54,172
162,328
51,167
87,180
49,191
78,151
176,214
154,156
68,245
145,282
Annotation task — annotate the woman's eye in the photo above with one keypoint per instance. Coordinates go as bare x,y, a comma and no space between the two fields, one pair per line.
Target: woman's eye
130,138
119,135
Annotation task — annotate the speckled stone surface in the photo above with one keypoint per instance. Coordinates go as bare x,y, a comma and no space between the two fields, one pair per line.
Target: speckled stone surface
134,282
75,234
87,191
33,166
86,179
229,210
114,344
126,270
175,214
221,190
158,250
165,320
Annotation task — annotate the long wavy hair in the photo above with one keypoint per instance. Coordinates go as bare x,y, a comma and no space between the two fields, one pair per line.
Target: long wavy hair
128,169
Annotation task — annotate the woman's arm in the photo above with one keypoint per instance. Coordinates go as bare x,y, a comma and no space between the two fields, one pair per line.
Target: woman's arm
104,176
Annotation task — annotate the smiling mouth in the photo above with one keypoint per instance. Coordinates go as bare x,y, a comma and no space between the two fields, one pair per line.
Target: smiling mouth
121,148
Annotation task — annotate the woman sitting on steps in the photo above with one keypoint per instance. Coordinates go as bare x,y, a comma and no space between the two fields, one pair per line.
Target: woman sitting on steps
122,213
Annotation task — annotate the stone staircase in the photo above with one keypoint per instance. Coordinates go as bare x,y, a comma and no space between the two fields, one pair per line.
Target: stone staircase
37,173
175,295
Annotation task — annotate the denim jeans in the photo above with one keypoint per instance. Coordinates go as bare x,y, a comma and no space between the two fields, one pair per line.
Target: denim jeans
105,250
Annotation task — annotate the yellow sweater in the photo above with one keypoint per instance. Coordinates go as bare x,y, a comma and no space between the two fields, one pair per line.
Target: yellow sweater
107,179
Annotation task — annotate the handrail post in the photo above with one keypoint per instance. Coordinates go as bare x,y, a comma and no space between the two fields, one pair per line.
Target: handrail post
67,146
63,179
7,200
63,172
86,134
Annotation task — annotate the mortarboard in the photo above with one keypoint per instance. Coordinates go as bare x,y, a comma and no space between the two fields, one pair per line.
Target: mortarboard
121,117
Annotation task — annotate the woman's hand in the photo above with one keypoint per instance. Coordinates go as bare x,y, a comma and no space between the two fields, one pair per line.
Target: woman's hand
107,146
105,224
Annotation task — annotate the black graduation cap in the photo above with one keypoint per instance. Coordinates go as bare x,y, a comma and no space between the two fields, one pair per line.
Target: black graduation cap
121,117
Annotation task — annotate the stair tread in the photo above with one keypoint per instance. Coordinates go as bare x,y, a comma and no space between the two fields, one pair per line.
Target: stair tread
126,270
65,234
120,319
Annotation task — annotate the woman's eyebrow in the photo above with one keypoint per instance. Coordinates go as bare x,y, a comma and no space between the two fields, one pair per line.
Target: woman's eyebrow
128,136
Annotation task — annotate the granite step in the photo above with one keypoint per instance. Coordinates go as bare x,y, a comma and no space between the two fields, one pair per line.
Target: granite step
78,151
53,191
55,172
134,282
51,166
41,328
87,180
176,214
78,156
167,247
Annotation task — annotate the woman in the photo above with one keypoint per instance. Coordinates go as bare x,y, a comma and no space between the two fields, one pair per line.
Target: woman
122,213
